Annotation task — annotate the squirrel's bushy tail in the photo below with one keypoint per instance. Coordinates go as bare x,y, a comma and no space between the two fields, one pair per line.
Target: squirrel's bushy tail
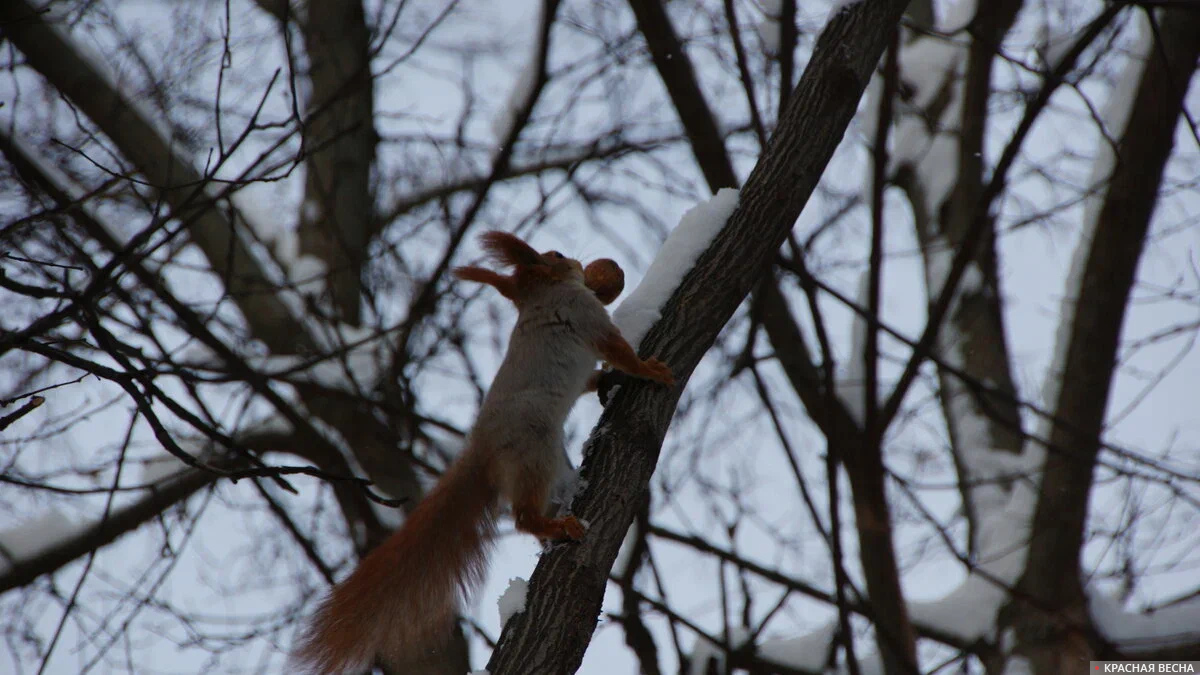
401,601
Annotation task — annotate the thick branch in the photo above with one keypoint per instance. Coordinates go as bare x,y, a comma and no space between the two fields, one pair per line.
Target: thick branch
975,338
339,217
118,522
677,74
553,632
1050,615
845,438
1099,311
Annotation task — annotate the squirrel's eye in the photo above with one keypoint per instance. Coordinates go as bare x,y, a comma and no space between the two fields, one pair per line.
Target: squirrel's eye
555,254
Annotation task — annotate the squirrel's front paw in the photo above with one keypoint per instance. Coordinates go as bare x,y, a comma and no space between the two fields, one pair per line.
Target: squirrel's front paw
572,528
659,372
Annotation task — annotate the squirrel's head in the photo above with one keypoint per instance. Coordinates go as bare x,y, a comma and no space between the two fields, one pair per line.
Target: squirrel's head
604,277
555,266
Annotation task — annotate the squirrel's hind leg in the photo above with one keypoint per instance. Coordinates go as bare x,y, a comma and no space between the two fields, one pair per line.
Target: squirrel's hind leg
529,510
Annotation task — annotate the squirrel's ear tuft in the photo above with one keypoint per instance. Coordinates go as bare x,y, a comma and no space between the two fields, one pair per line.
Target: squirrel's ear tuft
469,273
508,249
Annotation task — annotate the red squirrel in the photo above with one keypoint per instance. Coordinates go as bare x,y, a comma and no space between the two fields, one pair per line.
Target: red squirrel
400,603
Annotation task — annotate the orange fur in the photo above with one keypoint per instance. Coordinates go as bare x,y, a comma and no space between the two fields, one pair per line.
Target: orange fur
604,277
620,354
508,249
507,285
401,600
529,510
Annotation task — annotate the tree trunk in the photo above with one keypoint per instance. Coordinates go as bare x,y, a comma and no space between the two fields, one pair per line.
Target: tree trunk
550,636
1050,611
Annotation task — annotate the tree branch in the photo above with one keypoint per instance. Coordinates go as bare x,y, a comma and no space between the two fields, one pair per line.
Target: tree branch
339,217
1052,573
117,523
568,584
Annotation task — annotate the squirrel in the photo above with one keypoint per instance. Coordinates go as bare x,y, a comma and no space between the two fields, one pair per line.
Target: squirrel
400,603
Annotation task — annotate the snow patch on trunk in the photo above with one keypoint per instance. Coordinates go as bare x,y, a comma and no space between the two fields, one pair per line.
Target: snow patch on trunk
512,601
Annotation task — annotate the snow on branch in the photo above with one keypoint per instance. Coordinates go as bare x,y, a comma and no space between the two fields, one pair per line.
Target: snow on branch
696,230
851,384
1134,633
808,652
931,69
968,613
35,536
1113,119
841,6
769,29
969,610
